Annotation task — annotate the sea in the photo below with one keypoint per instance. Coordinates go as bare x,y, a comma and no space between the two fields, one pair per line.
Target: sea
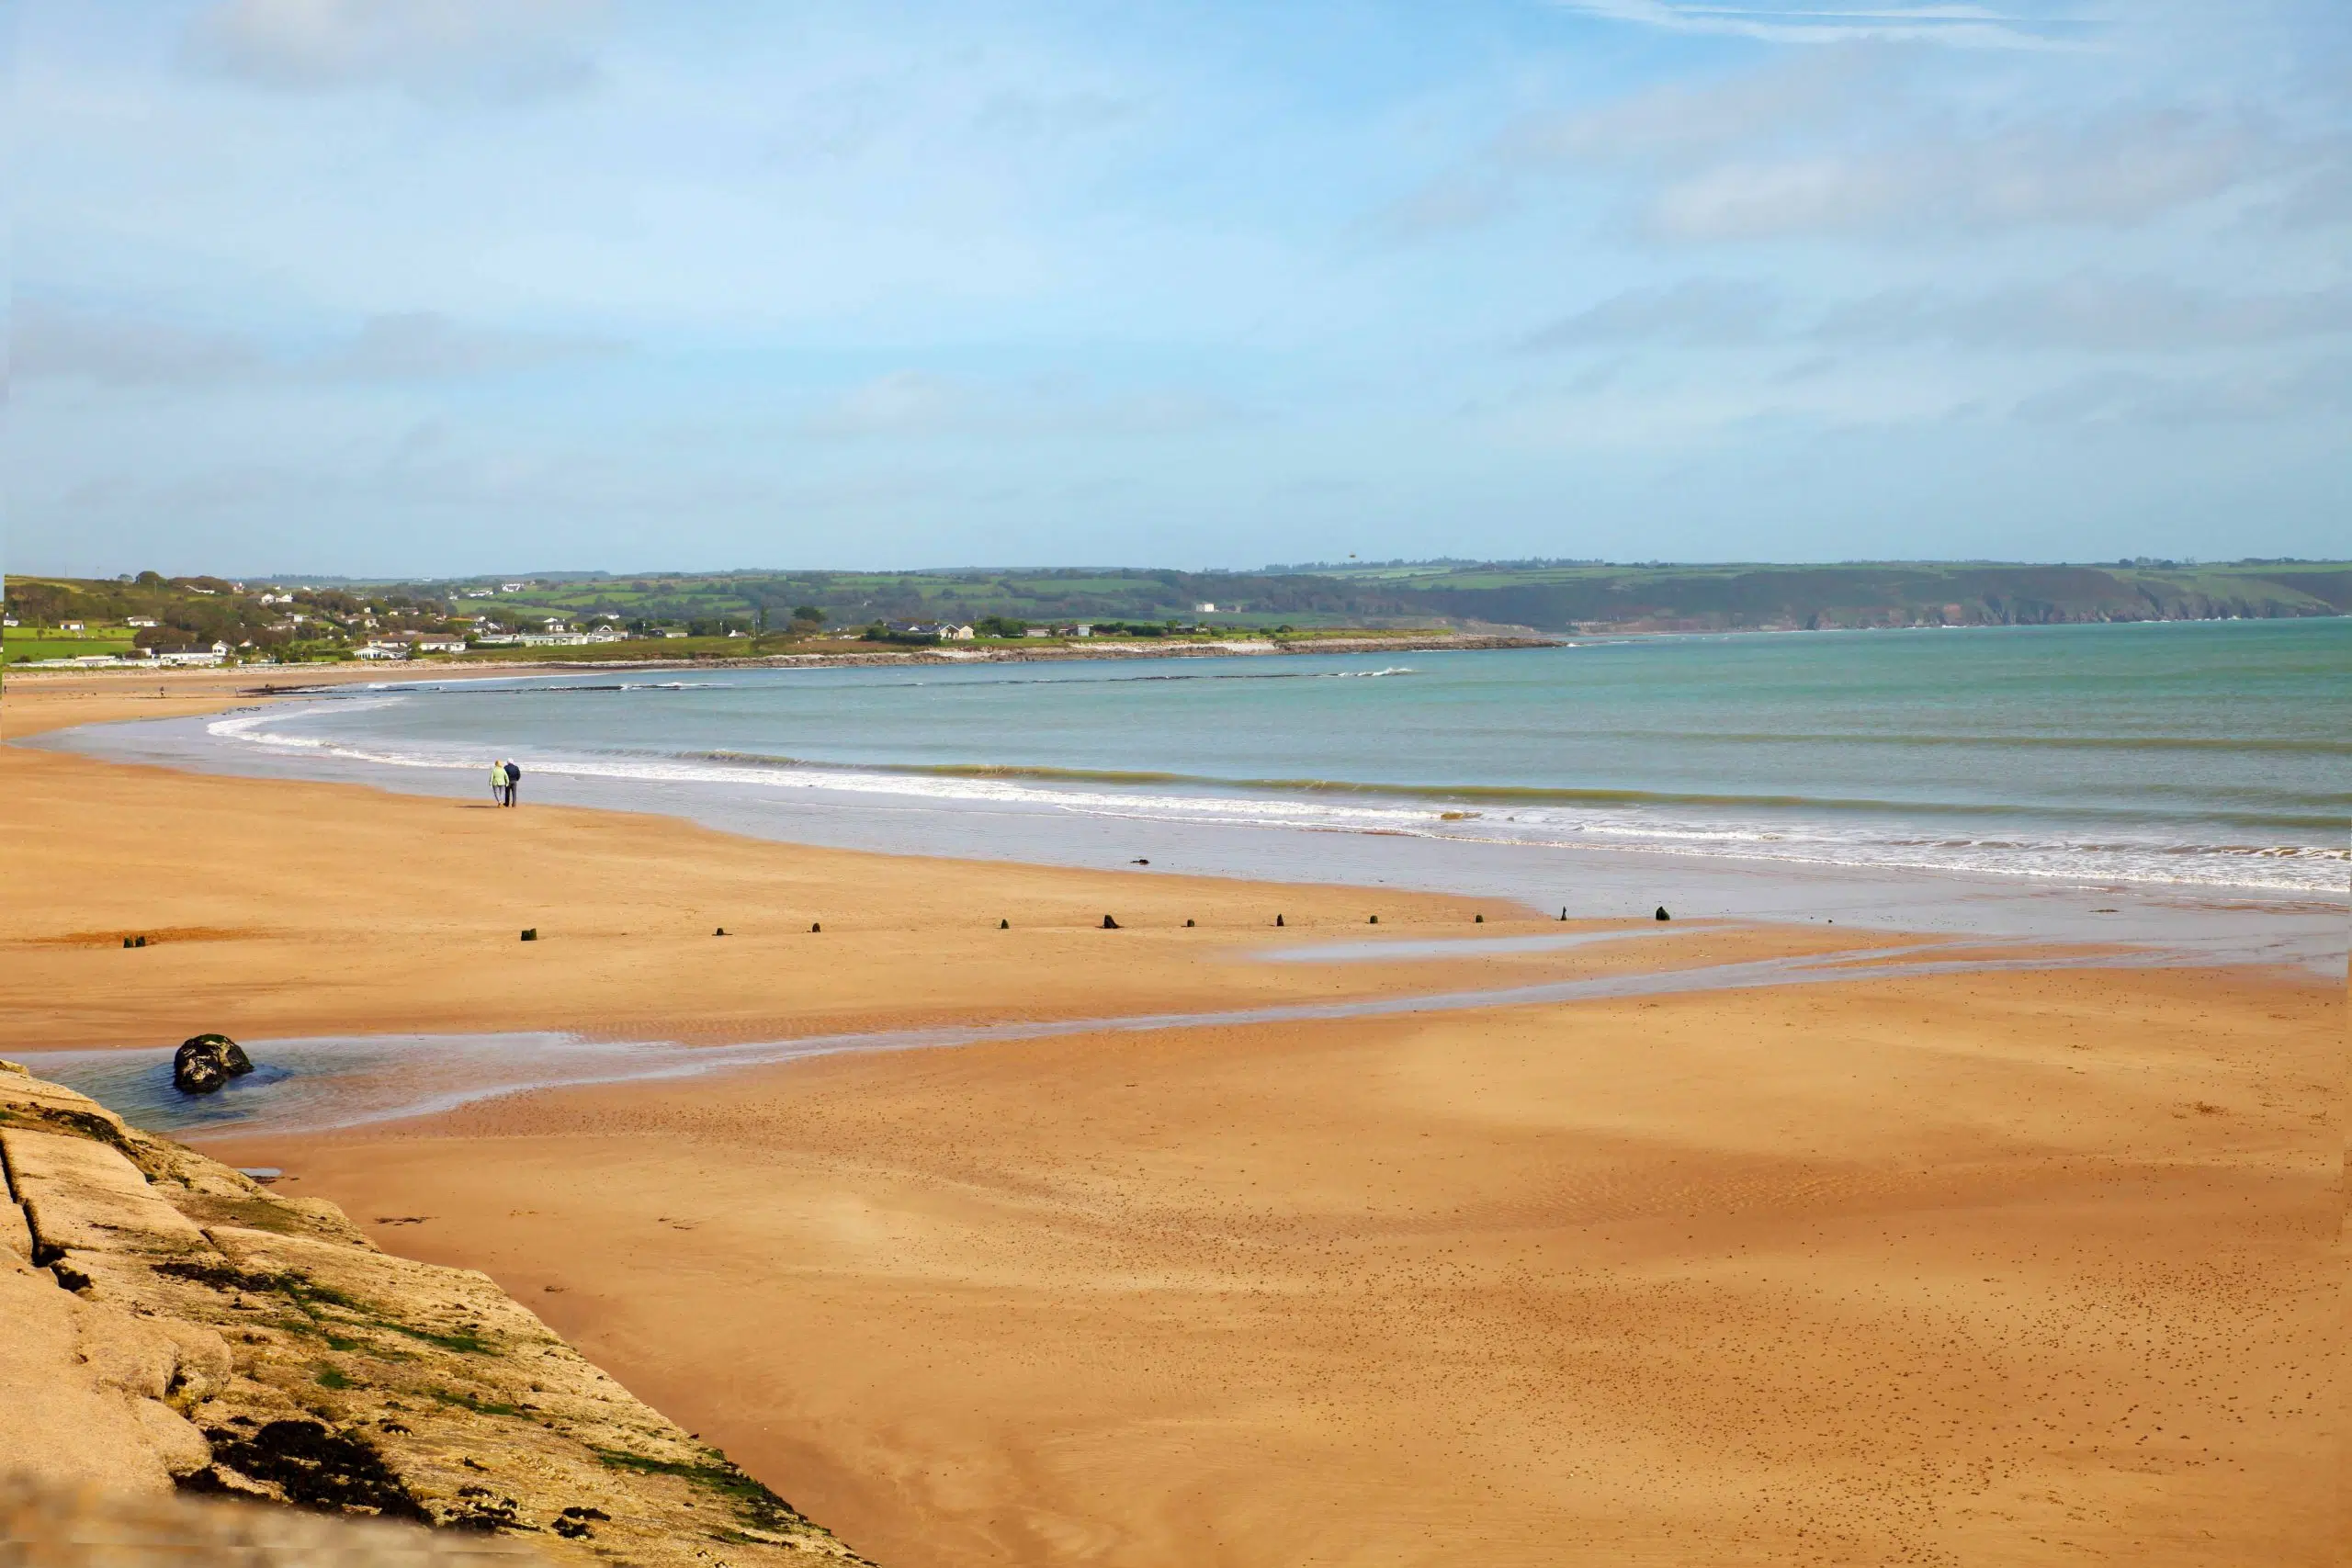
1892,776
2173,793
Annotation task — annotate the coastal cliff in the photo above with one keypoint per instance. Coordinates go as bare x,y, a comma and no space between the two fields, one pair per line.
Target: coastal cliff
173,1325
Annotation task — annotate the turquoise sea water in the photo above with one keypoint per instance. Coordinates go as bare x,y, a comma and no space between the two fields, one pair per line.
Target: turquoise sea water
2200,756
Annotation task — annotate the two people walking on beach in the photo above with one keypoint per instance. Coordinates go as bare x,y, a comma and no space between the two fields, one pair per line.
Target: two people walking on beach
504,776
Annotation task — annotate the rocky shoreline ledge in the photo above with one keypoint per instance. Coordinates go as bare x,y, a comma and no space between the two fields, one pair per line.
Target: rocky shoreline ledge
173,1325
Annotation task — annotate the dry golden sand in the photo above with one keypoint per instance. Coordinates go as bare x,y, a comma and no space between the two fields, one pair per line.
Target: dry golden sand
1985,1270
1993,1268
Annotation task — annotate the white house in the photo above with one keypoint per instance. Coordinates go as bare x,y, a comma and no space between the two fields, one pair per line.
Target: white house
213,655
380,650
440,645
1205,608
70,626
956,634
131,621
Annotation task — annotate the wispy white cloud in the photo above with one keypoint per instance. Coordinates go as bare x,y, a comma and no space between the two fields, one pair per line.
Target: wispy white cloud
2111,171
2097,312
2248,395
426,345
115,349
2323,197
1052,117
2086,312
118,348
1676,124
1857,143
917,403
1708,312
502,49
1954,25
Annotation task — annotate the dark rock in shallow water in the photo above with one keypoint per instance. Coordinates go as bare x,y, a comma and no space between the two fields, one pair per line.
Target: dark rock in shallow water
205,1063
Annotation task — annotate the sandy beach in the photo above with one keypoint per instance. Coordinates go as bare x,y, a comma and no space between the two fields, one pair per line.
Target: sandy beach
2001,1267
1997,1270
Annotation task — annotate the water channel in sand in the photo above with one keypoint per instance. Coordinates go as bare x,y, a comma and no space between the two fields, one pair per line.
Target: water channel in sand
317,1085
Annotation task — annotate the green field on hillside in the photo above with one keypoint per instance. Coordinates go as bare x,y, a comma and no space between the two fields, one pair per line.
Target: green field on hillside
20,643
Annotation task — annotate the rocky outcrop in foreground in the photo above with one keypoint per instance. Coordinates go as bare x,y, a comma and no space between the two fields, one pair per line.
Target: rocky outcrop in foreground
172,1324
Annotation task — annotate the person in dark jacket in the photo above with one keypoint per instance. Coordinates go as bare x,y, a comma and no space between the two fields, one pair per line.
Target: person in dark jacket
514,777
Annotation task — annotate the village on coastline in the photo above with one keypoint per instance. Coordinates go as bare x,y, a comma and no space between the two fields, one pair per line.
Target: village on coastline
151,621
275,624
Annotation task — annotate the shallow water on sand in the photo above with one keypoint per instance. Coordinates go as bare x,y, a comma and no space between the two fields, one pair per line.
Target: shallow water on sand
308,1086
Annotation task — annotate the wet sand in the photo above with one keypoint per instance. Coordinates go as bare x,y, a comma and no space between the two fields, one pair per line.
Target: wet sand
1992,1268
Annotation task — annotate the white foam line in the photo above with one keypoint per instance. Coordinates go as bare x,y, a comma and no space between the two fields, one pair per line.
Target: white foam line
2314,870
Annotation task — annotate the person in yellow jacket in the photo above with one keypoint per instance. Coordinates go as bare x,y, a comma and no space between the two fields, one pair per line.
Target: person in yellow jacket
498,784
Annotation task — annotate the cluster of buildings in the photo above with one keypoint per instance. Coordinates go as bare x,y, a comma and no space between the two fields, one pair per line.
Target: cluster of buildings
549,638
409,646
953,631
195,654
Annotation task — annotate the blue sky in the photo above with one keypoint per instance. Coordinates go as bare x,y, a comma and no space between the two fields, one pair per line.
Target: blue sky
454,286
